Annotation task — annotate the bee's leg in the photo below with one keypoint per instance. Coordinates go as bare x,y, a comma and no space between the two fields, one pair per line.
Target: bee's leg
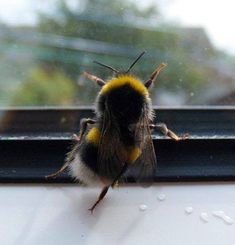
154,75
76,137
98,80
106,188
163,128
61,170
115,185
123,170
83,127
101,196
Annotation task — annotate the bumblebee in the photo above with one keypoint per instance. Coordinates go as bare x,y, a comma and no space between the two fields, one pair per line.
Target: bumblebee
118,139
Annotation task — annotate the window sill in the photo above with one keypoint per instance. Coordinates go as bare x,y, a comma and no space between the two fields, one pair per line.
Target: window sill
34,143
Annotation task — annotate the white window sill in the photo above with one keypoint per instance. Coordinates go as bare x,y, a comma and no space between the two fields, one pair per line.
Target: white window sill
57,214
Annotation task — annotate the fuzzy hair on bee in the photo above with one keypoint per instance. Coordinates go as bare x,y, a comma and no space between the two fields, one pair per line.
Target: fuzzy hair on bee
118,139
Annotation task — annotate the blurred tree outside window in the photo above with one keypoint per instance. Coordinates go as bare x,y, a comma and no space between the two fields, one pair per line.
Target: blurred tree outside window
43,57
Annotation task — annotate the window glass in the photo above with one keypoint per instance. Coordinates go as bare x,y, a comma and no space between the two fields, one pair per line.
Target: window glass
45,47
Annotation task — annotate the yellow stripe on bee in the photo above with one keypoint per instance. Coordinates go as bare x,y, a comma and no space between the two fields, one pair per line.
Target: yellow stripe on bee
124,80
93,136
134,155
130,154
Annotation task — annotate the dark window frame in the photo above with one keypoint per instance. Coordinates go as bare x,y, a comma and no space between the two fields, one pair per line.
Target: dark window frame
34,142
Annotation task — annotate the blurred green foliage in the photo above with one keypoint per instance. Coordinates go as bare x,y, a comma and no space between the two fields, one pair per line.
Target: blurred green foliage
45,87
55,76
109,21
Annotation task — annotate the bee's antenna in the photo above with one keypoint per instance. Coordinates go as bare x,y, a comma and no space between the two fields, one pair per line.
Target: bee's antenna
135,61
109,67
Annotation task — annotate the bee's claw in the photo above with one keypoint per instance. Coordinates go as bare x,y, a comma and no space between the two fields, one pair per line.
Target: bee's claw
91,210
51,176
184,136
115,184
54,175
76,137
101,196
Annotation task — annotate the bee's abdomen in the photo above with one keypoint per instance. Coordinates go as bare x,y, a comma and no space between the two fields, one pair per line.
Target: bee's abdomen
89,155
89,149
84,167
93,136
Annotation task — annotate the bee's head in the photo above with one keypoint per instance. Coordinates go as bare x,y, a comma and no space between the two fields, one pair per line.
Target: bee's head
125,96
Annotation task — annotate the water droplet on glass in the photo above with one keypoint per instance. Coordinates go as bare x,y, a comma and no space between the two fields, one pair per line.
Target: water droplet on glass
63,119
218,213
161,197
143,207
188,210
228,220
204,217
221,214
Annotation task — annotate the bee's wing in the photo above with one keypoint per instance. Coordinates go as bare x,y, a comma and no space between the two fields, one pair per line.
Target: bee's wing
143,169
109,159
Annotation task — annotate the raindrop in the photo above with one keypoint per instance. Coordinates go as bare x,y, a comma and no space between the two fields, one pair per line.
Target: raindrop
204,217
161,197
143,207
188,210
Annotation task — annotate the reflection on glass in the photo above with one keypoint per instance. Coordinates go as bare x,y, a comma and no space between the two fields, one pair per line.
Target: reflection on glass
46,47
